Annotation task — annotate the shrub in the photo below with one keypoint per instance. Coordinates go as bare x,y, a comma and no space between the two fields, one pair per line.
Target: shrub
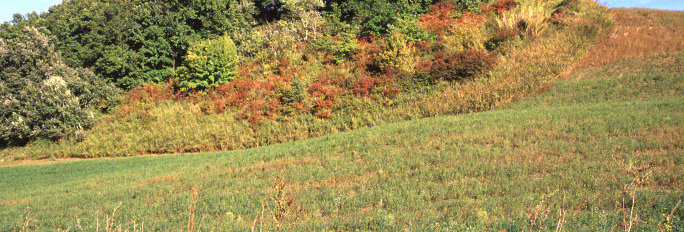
42,97
462,64
325,92
398,53
465,33
438,17
454,33
209,63
139,100
339,44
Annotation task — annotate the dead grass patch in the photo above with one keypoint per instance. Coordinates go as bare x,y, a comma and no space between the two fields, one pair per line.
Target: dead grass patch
639,33
165,179
12,202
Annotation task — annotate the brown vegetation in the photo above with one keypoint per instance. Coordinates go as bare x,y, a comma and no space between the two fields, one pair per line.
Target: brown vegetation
639,33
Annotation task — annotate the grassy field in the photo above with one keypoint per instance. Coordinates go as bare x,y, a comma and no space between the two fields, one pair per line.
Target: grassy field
600,150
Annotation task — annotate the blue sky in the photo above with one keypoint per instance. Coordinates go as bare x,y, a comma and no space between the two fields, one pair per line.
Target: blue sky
10,7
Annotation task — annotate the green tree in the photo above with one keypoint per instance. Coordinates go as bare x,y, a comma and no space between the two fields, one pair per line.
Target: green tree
209,63
376,16
41,96
131,42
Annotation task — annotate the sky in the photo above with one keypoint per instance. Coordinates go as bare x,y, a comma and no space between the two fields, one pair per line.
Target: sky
10,7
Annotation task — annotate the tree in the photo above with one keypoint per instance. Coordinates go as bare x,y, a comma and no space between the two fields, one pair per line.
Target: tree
41,96
305,16
376,16
209,63
131,42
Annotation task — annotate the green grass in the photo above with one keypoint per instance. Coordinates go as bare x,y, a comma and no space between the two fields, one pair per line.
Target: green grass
571,154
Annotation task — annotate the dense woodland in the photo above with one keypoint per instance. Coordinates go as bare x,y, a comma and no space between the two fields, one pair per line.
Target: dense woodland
267,67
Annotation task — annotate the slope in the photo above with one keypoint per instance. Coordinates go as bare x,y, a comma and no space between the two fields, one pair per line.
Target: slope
599,150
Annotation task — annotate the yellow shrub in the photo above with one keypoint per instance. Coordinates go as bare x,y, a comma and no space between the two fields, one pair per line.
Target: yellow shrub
398,53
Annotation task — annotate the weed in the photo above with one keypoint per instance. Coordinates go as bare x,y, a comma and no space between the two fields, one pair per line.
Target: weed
669,220
539,214
27,220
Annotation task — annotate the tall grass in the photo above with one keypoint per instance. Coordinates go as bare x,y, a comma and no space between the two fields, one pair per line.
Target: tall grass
529,17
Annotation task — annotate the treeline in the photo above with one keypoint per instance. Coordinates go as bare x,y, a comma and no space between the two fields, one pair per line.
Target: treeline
134,42
262,62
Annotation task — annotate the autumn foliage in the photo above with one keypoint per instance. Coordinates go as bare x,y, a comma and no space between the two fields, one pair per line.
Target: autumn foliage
320,81
438,17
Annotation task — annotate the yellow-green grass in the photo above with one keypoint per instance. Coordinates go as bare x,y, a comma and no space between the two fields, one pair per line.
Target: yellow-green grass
599,151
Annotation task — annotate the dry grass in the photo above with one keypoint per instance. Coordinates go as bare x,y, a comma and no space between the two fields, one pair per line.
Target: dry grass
639,33
530,17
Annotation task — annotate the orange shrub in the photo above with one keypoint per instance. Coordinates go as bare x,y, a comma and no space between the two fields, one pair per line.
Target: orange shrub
438,17
143,98
247,69
465,32
364,59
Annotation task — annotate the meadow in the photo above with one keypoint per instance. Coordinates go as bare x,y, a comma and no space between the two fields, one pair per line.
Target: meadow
598,150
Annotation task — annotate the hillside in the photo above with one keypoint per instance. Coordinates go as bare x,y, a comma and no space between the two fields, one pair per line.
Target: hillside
128,78
599,150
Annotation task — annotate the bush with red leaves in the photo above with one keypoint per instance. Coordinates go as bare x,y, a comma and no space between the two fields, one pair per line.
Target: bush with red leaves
325,92
144,97
438,17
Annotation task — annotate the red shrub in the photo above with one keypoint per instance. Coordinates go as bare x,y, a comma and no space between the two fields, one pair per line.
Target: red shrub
325,92
325,114
253,111
255,100
424,46
364,86
247,69
369,47
471,19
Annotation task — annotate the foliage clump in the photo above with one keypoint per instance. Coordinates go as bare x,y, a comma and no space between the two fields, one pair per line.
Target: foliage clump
460,65
399,53
209,63
43,98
